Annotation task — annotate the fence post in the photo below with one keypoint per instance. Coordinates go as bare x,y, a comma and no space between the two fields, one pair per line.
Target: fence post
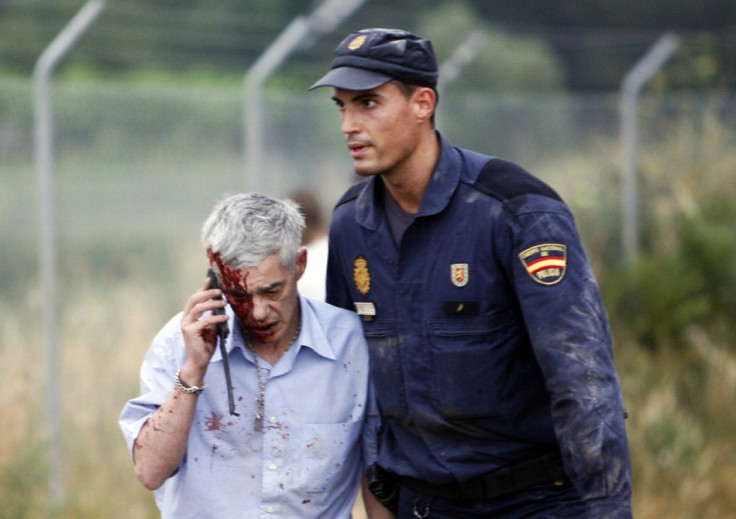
631,87
44,151
300,31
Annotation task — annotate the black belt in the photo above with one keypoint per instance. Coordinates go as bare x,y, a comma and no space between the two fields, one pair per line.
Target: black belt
547,469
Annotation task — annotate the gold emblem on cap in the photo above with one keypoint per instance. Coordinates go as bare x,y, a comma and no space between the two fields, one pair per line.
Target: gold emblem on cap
361,275
357,42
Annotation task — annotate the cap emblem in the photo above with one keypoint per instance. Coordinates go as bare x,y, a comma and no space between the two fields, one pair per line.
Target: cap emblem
361,275
357,42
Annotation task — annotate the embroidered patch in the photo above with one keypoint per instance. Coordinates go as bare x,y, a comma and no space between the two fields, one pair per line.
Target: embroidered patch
459,274
546,263
361,275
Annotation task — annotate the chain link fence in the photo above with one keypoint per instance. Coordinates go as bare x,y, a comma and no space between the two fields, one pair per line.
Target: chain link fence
136,162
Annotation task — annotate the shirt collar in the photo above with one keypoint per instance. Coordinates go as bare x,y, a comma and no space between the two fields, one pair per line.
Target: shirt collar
444,180
442,185
311,335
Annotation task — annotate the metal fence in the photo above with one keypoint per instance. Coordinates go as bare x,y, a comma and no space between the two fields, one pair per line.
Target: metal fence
134,160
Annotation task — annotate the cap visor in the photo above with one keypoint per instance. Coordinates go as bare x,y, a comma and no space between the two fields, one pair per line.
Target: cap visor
349,78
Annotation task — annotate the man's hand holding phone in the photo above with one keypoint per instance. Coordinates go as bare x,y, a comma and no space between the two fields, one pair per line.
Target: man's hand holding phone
203,313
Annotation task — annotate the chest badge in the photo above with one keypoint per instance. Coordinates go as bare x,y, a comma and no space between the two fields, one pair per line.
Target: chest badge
459,274
361,275
546,263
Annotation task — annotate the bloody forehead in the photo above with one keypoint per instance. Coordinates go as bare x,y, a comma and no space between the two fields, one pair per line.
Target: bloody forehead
229,275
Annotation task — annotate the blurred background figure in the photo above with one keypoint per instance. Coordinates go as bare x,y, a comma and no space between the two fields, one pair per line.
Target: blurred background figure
314,238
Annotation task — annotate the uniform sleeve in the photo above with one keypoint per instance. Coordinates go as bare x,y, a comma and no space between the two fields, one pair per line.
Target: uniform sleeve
371,428
156,380
337,289
570,335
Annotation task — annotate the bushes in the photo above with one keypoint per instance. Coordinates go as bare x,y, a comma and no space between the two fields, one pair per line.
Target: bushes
654,300
686,274
672,314
709,248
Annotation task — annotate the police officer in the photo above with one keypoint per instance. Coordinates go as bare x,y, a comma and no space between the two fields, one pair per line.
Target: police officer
490,347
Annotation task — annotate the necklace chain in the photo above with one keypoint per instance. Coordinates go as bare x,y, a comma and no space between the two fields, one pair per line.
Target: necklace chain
263,380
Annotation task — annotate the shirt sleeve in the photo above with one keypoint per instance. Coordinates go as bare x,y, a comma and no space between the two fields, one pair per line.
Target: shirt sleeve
569,331
156,380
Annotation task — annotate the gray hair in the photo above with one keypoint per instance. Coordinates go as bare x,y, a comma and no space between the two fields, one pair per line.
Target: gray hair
245,229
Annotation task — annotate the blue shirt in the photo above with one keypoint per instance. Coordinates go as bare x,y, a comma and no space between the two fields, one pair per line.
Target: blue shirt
489,341
306,462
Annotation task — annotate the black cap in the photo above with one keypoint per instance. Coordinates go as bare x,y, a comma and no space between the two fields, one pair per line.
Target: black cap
368,58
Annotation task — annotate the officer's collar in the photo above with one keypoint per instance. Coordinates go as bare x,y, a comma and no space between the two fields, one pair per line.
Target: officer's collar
443,183
440,189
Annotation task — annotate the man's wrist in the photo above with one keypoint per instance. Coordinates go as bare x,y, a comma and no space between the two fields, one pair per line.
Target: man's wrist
186,388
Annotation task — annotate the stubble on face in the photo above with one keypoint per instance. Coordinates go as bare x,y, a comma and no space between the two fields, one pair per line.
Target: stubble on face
380,133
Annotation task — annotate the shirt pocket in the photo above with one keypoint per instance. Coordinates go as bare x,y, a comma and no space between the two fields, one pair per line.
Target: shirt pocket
326,454
474,365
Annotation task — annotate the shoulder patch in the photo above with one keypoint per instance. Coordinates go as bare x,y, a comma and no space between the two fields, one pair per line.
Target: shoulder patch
546,263
504,180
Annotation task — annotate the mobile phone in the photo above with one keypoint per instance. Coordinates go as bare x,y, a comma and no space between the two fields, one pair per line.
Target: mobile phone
222,328
223,331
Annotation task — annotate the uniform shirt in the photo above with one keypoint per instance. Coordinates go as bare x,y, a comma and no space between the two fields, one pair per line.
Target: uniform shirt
489,342
306,462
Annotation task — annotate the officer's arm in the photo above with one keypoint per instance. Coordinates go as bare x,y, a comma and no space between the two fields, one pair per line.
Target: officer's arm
570,335
337,289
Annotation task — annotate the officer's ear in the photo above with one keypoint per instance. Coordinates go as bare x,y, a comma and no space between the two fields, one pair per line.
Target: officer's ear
300,263
425,102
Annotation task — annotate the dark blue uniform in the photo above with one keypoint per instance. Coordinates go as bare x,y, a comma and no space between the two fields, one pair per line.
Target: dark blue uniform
489,341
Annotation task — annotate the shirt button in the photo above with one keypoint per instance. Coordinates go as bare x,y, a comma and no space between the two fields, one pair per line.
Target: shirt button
272,466
269,509
272,419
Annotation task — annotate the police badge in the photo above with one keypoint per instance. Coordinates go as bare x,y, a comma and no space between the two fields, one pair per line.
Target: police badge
361,275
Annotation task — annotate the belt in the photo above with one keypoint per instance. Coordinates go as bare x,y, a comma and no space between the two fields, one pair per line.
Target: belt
546,469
